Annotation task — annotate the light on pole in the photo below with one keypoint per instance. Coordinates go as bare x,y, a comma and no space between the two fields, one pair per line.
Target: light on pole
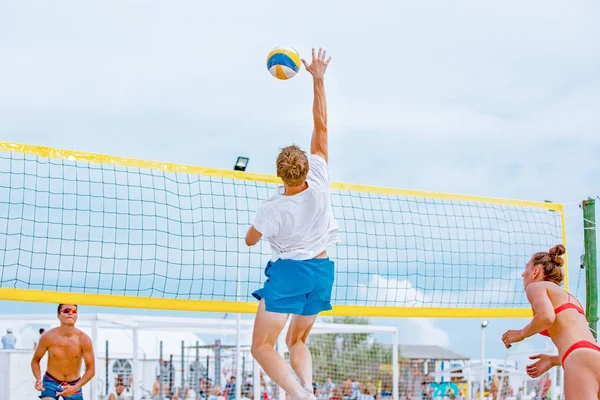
241,164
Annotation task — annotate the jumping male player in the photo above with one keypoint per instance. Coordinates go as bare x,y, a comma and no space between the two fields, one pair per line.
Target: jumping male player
299,225
66,347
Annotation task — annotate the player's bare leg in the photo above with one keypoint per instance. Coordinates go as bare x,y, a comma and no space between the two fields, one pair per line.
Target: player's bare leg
267,327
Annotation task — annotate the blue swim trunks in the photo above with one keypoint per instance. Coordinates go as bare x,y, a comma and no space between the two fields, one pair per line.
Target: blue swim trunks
301,287
53,386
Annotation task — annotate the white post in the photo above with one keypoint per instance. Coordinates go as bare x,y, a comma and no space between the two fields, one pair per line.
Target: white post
559,387
239,374
483,373
470,382
281,350
137,382
94,381
395,366
256,380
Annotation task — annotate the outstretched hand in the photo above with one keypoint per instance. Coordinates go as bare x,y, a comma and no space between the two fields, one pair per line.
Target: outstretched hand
318,66
538,368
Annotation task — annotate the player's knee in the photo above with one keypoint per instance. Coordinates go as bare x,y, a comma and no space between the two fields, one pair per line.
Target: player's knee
290,342
292,339
259,347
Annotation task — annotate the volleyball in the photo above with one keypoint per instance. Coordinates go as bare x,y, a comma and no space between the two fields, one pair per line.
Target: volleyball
283,63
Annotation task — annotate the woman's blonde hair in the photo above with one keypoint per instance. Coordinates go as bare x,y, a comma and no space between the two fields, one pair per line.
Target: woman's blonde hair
551,262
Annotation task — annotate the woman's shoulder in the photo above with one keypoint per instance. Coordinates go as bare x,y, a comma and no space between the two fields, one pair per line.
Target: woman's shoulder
556,293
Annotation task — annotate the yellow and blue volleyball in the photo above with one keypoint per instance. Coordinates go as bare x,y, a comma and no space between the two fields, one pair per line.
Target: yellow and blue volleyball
283,62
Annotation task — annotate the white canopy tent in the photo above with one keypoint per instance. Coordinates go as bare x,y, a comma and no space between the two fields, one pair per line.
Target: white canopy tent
162,326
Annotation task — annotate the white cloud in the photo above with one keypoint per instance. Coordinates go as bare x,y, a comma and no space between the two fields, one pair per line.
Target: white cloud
390,291
382,291
426,332
411,331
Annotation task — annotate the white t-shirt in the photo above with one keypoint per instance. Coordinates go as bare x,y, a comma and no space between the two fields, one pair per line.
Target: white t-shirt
301,226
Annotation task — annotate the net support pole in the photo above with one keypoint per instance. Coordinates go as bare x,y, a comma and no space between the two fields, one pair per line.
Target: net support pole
161,371
172,382
93,388
182,367
590,263
106,368
482,377
395,365
196,383
136,382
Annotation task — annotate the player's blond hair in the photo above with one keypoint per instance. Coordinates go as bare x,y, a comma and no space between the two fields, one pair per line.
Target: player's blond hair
292,165
551,262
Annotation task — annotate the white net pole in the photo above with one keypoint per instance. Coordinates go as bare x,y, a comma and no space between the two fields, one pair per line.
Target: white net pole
136,382
281,350
256,383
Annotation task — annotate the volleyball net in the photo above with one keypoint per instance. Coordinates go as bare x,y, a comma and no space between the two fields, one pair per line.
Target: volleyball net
110,231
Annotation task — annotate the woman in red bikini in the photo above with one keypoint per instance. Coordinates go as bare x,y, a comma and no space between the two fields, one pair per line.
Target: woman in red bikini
559,316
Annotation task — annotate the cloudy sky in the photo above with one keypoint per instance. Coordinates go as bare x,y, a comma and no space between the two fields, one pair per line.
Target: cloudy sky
495,99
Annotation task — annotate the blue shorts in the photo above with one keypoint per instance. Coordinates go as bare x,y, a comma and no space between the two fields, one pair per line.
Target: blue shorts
53,386
301,287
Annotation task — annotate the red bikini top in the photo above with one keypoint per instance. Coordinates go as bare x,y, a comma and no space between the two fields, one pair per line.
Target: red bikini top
562,308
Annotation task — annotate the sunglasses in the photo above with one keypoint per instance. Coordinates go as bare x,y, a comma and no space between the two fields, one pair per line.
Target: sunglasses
68,310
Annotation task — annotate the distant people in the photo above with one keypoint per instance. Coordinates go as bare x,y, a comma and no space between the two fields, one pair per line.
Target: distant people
230,389
368,393
327,390
9,340
156,388
355,388
347,388
426,388
216,394
119,392
35,343
176,394
189,393
205,387
337,394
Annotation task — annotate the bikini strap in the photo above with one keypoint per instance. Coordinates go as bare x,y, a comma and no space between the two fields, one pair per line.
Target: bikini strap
578,305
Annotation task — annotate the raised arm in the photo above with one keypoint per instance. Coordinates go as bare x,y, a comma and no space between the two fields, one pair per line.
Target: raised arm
317,68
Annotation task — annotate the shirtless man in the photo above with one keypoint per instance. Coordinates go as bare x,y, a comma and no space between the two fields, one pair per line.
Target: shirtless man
66,347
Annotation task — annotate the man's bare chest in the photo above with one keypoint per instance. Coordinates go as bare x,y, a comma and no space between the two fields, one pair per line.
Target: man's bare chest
65,349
